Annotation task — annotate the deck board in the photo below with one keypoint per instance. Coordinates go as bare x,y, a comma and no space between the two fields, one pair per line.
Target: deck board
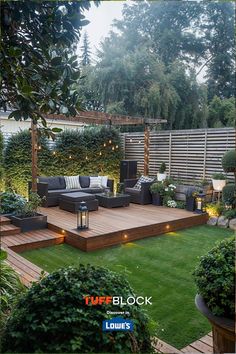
109,227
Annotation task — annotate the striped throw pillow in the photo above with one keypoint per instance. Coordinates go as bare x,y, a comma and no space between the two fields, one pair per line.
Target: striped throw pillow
95,182
142,179
72,182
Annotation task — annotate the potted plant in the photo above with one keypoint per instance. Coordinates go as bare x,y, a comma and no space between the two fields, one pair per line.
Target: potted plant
190,198
157,191
215,280
161,175
26,216
218,181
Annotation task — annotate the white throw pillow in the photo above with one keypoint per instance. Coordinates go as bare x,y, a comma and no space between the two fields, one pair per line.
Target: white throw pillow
142,179
104,180
72,182
95,182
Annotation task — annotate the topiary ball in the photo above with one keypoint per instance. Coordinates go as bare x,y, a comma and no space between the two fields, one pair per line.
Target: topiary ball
52,316
228,193
215,278
229,161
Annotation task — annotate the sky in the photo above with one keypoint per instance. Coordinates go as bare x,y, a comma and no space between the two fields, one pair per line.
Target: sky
101,18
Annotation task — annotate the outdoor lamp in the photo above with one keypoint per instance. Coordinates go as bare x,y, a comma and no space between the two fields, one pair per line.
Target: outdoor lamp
200,203
83,217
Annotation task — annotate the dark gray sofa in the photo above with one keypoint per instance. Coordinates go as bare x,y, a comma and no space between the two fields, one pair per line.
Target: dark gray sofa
50,188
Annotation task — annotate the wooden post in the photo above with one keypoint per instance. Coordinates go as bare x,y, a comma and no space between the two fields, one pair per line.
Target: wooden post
34,141
146,150
170,150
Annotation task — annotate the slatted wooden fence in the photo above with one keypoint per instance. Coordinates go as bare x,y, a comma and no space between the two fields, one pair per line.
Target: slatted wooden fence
188,154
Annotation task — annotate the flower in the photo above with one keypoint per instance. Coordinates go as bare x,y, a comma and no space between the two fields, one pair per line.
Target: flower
171,203
166,189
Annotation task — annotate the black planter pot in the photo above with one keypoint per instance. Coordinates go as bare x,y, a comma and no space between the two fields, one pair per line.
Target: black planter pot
36,222
156,199
190,203
223,329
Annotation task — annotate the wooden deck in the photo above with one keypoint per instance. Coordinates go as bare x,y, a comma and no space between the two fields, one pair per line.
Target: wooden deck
120,225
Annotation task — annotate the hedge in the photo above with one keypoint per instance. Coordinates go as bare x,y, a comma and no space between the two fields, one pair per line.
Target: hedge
91,151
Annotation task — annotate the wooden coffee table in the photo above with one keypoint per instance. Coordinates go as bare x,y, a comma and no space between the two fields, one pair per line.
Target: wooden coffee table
113,200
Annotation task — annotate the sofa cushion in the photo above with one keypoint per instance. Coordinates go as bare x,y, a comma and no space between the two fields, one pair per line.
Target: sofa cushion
77,196
142,179
84,181
104,180
57,182
130,190
58,192
72,182
95,182
92,190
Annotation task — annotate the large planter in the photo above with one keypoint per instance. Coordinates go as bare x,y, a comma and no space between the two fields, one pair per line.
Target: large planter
36,222
161,176
218,184
156,199
223,329
190,203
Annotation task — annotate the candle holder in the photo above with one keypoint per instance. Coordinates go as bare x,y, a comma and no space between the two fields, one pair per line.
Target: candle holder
83,217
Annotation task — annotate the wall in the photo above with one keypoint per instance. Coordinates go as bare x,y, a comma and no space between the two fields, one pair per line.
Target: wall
188,154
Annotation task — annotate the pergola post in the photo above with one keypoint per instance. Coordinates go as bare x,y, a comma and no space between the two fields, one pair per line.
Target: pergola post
146,149
34,141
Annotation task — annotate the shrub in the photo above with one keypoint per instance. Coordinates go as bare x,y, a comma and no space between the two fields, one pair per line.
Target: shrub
10,202
157,187
214,209
10,289
162,167
29,208
215,278
52,316
1,164
218,176
228,194
229,161
180,204
230,214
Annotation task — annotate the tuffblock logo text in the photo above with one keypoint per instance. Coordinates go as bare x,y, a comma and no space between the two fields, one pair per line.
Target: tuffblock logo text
117,324
117,300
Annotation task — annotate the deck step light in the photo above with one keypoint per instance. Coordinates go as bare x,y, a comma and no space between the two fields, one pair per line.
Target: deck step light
83,217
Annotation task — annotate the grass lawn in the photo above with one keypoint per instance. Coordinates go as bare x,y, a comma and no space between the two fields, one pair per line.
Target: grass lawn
160,267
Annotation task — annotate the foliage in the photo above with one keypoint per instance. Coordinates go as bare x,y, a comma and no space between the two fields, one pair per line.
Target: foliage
55,308
215,278
171,203
230,214
1,163
218,176
29,208
228,194
157,187
215,209
229,161
10,202
221,112
10,289
37,42
180,204
162,167
17,161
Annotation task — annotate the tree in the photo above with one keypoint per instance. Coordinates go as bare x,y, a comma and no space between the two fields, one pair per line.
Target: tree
37,69
86,52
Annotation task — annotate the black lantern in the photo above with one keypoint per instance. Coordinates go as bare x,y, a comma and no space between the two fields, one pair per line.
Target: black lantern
200,203
82,217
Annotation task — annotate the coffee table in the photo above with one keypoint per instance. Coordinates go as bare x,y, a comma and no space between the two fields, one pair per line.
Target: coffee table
71,201
109,200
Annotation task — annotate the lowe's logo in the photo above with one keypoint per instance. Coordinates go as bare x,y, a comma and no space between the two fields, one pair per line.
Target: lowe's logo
117,324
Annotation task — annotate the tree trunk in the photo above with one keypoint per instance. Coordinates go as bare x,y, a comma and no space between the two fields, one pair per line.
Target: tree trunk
34,141
146,150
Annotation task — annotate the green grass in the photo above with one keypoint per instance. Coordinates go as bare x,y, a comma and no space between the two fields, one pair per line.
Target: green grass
160,267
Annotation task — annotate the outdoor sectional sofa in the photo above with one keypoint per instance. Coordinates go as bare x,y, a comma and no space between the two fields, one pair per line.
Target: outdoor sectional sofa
50,188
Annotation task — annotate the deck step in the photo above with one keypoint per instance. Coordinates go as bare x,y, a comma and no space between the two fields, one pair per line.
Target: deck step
4,221
9,229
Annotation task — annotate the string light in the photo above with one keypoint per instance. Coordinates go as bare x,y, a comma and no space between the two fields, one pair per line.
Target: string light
139,142
70,157
113,148
100,153
110,141
39,147
86,158
117,146
104,144
54,153
131,140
